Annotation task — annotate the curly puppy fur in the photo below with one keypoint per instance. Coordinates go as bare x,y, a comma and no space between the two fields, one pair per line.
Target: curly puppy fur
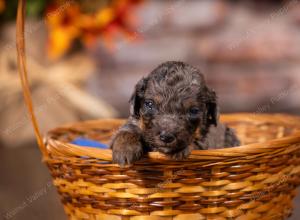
171,111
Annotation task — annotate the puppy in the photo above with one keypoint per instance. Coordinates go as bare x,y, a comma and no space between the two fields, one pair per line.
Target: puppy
172,111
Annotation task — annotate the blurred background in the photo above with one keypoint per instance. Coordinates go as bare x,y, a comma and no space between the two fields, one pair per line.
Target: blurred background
84,58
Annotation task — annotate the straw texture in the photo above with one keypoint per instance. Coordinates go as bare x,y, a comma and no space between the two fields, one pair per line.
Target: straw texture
254,181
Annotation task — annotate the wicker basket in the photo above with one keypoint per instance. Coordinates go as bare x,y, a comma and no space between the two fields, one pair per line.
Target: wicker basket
255,181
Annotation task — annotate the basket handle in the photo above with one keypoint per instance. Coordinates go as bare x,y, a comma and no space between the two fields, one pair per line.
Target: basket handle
23,73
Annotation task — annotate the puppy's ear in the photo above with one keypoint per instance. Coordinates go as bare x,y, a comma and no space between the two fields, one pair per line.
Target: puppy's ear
212,107
136,98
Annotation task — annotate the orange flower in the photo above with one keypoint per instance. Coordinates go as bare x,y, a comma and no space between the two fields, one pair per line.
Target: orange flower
63,30
2,5
66,23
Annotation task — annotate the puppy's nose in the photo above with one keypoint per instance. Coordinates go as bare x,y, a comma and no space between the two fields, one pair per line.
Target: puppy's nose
166,137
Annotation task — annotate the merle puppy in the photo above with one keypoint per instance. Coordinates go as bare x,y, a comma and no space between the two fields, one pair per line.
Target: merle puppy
171,111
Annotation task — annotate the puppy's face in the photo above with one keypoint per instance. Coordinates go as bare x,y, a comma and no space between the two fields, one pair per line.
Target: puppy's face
171,104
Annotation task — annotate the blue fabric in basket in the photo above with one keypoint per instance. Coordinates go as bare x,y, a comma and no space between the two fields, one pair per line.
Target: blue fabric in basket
89,143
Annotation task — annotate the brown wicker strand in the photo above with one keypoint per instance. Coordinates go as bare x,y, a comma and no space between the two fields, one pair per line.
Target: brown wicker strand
23,73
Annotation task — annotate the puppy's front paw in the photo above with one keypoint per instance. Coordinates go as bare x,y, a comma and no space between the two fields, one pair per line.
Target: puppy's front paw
181,155
126,148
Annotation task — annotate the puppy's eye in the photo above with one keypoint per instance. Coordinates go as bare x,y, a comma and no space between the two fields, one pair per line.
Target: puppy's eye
149,104
194,111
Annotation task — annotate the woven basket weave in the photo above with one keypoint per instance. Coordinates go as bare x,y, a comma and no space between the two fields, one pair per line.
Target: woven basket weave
254,181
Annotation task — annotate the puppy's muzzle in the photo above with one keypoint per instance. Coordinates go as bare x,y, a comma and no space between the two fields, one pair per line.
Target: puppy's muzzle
167,127
167,137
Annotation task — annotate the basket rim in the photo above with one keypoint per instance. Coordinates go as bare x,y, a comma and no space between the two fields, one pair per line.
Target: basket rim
60,148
